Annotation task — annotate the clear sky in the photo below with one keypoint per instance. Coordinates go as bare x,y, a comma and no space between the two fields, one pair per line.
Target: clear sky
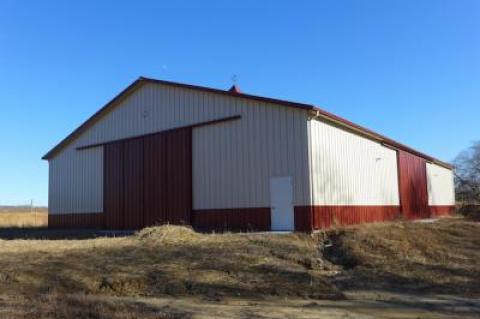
407,69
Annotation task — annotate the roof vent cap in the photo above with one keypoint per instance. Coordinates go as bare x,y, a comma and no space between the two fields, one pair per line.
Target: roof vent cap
235,89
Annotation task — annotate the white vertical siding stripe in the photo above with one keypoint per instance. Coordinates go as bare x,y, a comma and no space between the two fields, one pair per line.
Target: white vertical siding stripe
440,186
347,169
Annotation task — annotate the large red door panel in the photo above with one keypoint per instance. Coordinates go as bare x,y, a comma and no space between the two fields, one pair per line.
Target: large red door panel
179,175
155,184
113,185
133,184
148,180
413,185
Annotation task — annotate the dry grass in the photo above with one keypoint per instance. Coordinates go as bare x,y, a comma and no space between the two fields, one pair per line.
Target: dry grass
54,306
75,278
19,219
168,260
435,257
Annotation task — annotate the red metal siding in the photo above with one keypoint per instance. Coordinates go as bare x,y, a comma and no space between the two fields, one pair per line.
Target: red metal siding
148,180
133,184
303,218
326,216
239,219
113,186
179,175
86,220
438,211
155,181
413,185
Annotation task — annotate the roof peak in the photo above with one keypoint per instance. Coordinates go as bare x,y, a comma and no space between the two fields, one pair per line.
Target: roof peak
235,89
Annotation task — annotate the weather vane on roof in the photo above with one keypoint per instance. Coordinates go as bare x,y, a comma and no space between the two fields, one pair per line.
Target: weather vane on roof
234,79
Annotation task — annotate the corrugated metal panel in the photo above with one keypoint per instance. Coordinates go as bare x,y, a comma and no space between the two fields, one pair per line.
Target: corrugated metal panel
347,169
440,186
245,219
178,176
413,185
439,211
327,216
233,161
156,179
114,187
148,180
84,220
76,181
133,184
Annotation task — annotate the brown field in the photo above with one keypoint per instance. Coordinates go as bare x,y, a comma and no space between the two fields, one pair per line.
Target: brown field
21,219
396,270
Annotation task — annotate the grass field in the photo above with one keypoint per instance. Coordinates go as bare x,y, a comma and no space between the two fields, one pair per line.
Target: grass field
23,217
397,270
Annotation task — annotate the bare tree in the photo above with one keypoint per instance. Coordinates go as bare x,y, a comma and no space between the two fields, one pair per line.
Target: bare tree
467,175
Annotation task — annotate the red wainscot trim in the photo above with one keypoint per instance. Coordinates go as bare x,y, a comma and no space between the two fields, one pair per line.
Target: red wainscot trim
303,218
232,219
322,217
438,211
80,220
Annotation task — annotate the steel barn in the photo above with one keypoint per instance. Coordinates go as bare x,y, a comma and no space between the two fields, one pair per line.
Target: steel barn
165,152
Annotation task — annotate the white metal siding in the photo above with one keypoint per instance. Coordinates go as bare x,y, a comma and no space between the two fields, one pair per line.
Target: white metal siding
76,181
347,169
440,186
232,161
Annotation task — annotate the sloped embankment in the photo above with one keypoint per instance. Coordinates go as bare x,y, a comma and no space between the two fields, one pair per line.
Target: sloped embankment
438,257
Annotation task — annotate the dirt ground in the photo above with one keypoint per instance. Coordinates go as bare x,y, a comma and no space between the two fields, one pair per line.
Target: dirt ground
359,305
395,270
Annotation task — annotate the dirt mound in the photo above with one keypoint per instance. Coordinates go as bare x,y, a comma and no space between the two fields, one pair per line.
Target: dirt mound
168,234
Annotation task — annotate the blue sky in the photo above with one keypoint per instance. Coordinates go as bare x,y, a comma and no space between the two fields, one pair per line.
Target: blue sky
407,69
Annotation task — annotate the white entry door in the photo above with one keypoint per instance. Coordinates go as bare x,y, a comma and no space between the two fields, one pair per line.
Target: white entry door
281,198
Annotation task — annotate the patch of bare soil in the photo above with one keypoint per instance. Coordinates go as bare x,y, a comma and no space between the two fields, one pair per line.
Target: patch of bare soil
438,257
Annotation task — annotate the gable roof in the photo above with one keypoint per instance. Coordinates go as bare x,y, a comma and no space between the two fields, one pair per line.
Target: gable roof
237,94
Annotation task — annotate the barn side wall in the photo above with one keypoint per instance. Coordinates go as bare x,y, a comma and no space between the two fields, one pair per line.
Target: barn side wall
232,161
353,179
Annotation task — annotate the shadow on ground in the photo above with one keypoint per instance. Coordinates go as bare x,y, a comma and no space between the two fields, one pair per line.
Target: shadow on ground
40,233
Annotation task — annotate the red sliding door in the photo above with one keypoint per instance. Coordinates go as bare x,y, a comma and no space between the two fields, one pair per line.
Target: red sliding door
148,180
413,185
